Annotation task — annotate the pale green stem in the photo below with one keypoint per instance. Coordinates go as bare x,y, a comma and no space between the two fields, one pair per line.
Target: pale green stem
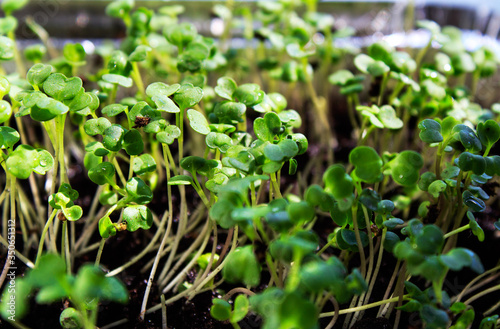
477,278
42,237
60,122
221,265
358,239
17,56
119,171
99,252
65,247
272,270
364,307
458,230
276,186
377,268
136,76
481,294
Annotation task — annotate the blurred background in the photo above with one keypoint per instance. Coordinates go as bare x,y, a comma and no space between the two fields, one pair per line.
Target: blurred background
86,18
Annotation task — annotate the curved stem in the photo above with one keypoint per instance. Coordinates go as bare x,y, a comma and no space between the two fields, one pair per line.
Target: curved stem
364,307
42,237
179,276
477,278
481,294
240,290
336,316
99,252
221,265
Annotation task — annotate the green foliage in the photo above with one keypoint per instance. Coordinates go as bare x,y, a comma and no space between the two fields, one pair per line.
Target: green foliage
53,283
242,266
418,145
367,163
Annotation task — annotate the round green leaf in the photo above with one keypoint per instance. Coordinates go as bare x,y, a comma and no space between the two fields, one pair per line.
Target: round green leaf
220,310
168,136
242,266
426,179
241,305
5,111
188,96
113,137
437,187
143,164
6,48
488,132
22,161
218,140
434,316
405,168
229,112
103,173
60,87
180,35
391,239
10,6
268,128
74,53
284,150
338,182
340,78
137,217
119,8
181,180
70,318
35,53
118,64
472,162
467,137
248,94
91,160
38,73
45,162
73,213
474,204
430,240
118,79
367,163
106,228
389,119
138,191
97,149
4,86
132,142
430,131
8,136
198,122
161,89
113,109
47,109
139,54
297,311
225,88
300,212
